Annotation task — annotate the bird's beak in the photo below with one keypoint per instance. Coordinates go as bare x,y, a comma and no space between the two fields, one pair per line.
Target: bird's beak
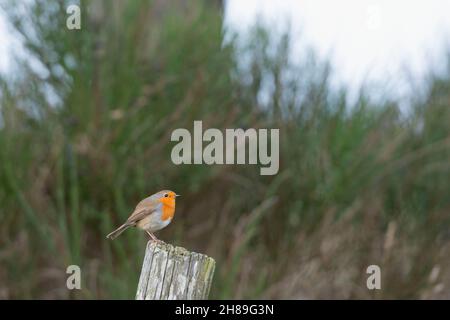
178,195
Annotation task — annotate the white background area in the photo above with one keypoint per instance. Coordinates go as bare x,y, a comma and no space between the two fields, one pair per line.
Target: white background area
388,42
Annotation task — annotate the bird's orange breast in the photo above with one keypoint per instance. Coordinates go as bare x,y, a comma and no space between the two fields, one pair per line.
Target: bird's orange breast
168,208
167,211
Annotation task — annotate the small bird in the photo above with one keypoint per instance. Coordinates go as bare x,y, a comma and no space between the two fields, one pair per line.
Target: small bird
151,214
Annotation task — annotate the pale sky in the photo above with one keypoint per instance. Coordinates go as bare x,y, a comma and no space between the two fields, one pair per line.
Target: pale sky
365,39
5,43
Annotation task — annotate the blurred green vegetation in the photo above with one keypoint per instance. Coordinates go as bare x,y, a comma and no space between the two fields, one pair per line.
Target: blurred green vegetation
85,134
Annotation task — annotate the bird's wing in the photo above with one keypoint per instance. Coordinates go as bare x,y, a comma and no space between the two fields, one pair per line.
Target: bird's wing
139,214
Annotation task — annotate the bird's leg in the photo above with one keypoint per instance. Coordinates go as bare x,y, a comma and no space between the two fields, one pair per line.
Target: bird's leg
152,236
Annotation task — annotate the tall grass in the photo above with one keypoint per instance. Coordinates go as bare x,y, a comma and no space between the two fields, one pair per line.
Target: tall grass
86,135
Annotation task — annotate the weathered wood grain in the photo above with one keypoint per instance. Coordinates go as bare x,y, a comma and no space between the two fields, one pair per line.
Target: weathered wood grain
173,273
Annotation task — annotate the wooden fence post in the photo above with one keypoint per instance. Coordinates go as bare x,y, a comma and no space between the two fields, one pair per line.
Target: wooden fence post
173,273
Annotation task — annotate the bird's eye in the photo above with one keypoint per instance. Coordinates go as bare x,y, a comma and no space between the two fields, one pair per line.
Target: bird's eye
166,195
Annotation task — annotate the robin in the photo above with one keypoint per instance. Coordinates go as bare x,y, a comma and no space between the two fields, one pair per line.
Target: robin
151,214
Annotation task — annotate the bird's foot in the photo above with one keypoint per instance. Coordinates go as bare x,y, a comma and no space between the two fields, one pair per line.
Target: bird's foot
153,238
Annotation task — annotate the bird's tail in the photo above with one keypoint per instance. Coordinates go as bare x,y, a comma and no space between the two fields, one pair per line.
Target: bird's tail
118,231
